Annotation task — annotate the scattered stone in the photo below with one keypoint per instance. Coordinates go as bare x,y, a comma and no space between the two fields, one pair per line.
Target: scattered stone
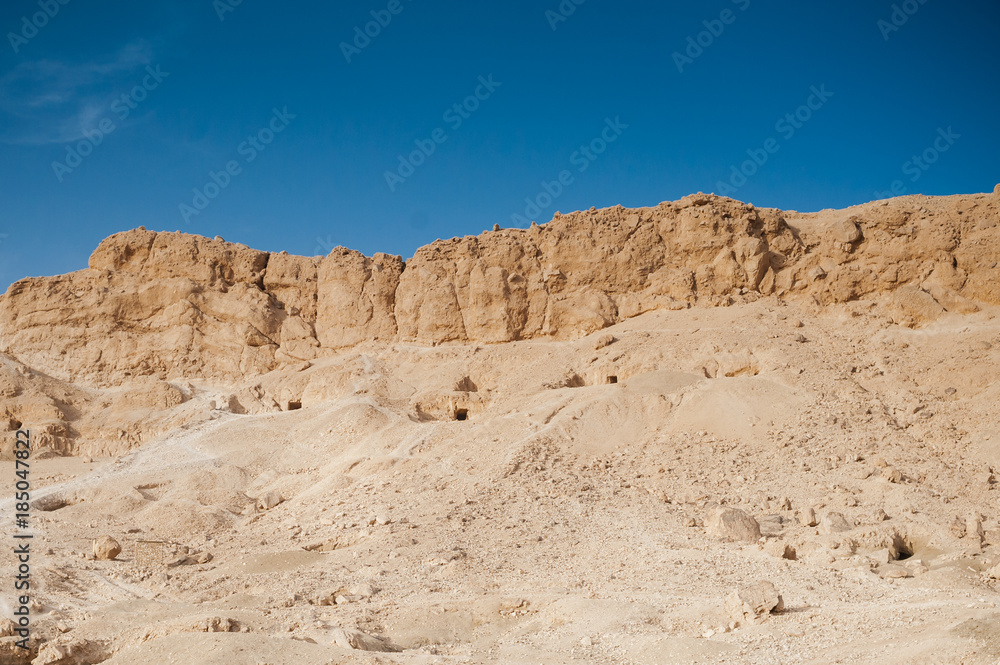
754,603
50,503
586,642
808,517
508,605
781,550
882,557
179,561
496,227
893,572
834,523
269,500
957,527
106,548
7,627
732,524
66,650
355,639
892,474
604,340
771,526
11,653
221,625
974,530
325,598
363,590
846,231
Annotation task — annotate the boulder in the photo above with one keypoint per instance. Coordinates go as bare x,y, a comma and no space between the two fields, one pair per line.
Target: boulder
846,231
808,517
269,500
754,603
781,550
106,548
7,627
834,523
732,524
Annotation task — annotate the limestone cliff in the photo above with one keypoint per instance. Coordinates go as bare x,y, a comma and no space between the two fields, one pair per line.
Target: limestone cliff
169,305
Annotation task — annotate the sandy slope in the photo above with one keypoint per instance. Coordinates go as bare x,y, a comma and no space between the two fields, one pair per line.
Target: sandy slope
517,447
551,525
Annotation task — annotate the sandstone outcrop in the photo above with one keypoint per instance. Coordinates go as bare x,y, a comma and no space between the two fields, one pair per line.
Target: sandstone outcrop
170,306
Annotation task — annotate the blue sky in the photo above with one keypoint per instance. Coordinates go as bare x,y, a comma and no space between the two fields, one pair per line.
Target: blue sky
114,112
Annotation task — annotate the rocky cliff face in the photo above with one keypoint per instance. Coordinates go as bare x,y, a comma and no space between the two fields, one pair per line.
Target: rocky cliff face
169,305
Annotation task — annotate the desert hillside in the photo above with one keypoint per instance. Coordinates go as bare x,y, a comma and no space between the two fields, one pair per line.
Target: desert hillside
701,432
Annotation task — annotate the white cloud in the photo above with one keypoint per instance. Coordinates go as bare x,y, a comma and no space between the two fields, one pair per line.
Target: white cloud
45,101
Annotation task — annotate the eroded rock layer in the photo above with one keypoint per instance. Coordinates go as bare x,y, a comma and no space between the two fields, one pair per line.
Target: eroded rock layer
170,305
